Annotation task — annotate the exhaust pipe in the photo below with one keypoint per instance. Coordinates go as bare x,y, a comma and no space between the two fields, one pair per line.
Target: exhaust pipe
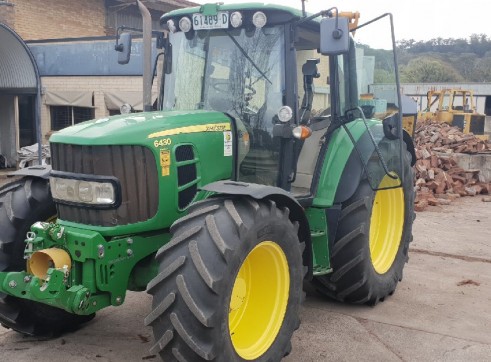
147,56
42,260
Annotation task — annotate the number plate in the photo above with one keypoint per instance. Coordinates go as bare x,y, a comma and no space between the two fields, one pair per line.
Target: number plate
219,21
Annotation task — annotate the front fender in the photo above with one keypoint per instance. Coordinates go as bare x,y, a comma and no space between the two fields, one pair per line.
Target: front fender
33,171
282,199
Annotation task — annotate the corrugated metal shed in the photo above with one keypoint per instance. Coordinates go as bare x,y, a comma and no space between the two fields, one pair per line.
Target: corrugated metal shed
18,75
17,70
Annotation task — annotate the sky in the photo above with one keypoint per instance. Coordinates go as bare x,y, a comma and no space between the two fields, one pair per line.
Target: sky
413,19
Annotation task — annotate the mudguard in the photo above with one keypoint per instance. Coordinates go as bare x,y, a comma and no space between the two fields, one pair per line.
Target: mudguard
33,171
341,170
354,166
282,198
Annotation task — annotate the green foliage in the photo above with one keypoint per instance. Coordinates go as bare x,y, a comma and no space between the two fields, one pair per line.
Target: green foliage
383,76
446,60
428,70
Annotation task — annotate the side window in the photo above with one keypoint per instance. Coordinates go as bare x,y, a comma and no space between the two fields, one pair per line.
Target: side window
320,104
320,107
446,102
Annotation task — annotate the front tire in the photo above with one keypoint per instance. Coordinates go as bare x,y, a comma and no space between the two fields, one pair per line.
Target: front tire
229,286
22,203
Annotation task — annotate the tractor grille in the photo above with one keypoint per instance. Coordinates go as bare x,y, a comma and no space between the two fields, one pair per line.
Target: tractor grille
133,166
187,175
184,153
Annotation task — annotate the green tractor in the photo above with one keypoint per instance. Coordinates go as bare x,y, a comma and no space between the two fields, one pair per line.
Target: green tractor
260,170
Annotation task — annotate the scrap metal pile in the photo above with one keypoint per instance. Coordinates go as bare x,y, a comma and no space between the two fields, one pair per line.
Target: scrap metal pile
439,179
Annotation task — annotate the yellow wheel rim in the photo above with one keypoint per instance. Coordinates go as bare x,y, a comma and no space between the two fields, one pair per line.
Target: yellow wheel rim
259,300
386,225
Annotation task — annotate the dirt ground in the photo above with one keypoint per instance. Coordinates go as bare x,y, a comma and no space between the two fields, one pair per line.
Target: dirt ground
441,310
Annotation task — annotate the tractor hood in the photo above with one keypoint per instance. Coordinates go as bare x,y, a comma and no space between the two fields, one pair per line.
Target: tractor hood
136,128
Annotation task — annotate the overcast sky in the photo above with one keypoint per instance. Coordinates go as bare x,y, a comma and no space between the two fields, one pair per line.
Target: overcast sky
414,19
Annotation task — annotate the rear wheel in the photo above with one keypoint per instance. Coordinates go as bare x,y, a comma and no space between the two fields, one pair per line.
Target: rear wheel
22,203
229,286
372,242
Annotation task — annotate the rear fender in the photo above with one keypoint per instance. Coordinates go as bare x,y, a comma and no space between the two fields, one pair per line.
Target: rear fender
342,169
354,167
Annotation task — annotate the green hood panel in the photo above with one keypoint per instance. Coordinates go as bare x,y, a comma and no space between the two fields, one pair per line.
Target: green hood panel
135,128
163,133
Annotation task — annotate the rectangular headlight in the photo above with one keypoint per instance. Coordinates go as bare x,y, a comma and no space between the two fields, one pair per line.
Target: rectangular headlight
83,191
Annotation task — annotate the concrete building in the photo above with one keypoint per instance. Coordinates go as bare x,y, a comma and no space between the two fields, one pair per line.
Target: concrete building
57,65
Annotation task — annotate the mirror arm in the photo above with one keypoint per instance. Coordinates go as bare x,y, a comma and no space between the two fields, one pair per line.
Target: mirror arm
322,13
118,47
337,33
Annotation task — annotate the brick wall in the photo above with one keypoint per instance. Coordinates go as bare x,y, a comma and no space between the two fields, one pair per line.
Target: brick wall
48,19
98,85
7,14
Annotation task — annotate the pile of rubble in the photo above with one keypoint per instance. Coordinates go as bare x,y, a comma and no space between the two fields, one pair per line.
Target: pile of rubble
439,179
29,155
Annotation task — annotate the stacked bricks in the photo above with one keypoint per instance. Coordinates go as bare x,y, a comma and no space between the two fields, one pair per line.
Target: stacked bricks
439,179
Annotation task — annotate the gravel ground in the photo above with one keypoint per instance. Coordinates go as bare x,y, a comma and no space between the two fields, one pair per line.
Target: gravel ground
440,311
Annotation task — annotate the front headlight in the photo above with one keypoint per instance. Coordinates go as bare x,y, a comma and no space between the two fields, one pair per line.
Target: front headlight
84,191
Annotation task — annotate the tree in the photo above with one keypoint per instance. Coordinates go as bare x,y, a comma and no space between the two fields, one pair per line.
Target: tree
429,70
482,72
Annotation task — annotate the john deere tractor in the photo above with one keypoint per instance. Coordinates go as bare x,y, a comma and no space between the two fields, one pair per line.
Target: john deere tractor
258,172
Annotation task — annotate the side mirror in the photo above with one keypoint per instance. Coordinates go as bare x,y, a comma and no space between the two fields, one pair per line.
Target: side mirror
334,36
124,48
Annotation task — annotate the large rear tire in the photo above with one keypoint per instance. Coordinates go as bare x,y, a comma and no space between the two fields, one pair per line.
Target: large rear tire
22,203
229,286
372,241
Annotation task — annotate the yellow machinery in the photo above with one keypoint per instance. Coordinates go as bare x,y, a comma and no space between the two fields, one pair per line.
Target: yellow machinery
457,108
382,109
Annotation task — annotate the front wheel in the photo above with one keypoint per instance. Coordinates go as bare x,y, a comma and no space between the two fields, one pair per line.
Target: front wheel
229,286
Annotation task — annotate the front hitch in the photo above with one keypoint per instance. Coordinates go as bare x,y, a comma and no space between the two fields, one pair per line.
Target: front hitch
79,270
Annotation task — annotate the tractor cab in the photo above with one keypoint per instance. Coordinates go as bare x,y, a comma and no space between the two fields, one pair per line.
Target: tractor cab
263,66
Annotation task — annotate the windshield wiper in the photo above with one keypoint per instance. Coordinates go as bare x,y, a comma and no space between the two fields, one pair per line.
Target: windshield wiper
244,53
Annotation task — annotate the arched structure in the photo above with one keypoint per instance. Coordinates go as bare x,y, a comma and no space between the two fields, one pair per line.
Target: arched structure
19,77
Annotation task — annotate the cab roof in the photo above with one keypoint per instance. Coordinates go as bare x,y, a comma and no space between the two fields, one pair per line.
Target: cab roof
287,12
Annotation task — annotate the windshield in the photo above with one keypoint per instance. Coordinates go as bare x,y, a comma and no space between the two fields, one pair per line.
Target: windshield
238,72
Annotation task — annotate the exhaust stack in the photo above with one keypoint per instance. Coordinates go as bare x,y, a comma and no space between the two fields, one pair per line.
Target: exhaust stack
147,56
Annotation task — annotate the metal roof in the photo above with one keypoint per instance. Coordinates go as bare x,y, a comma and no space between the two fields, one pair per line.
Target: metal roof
17,66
